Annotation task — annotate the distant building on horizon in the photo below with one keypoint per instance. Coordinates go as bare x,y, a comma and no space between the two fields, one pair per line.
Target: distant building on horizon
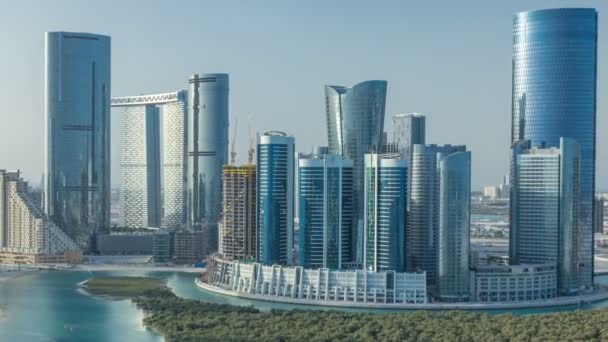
27,236
152,161
77,135
207,152
554,96
545,201
355,126
326,211
275,198
385,216
238,226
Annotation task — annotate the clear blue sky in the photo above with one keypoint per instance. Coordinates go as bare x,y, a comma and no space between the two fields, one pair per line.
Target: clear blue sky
450,60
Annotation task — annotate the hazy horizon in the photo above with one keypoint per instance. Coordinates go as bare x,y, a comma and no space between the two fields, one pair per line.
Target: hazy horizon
449,61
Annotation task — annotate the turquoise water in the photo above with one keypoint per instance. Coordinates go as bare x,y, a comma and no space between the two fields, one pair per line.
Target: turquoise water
48,306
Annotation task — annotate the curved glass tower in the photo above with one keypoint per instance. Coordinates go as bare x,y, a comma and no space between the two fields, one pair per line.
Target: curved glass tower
454,226
77,133
355,126
554,95
385,212
207,151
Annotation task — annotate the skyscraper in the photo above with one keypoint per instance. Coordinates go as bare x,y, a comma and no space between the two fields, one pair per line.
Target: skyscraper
325,200
385,212
424,201
408,130
544,222
153,159
207,151
140,167
454,226
77,133
355,126
237,228
275,198
554,95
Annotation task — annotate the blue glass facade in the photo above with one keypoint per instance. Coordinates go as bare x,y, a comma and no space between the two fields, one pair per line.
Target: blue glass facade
385,213
77,139
325,207
545,209
355,126
275,185
554,95
423,215
454,226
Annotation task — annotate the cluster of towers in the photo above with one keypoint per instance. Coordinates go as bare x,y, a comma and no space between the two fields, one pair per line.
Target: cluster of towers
361,202
173,146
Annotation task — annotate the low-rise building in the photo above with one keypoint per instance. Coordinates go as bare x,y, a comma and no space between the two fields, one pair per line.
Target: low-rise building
125,244
513,283
189,247
387,287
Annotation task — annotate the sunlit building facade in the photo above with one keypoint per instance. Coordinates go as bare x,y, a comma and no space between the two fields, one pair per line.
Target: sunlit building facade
275,198
385,212
355,126
326,214
454,227
77,139
207,136
545,209
423,215
153,159
554,95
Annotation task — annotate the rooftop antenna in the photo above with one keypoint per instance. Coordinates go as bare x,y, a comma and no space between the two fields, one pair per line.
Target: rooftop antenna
250,150
232,150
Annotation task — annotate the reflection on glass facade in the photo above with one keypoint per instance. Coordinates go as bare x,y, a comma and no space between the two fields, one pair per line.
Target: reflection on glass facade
408,130
77,114
355,124
325,202
554,95
454,226
385,212
207,151
275,207
423,215
153,144
545,209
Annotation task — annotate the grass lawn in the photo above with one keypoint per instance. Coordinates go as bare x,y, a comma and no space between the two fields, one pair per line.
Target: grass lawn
122,286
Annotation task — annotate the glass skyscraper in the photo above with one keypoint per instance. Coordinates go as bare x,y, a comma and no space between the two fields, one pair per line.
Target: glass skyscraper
325,201
77,133
152,163
544,222
207,137
554,95
355,126
385,212
454,226
408,130
423,214
275,198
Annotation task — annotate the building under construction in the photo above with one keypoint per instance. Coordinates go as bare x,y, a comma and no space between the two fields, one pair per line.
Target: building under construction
237,227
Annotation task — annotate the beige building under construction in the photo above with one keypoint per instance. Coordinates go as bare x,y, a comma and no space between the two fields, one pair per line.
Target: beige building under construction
237,226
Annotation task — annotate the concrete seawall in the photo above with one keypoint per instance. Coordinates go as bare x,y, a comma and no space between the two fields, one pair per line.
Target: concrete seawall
596,296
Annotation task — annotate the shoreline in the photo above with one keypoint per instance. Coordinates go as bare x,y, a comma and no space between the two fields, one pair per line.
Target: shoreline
596,296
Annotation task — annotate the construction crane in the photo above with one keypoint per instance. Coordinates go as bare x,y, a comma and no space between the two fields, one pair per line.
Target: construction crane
232,150
250,150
